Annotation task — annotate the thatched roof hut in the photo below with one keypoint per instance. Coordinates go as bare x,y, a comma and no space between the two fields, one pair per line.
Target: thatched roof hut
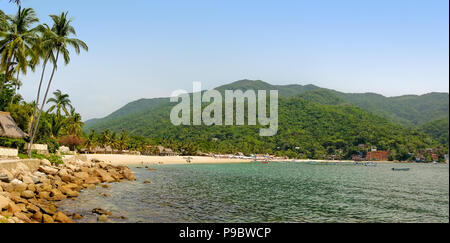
8,127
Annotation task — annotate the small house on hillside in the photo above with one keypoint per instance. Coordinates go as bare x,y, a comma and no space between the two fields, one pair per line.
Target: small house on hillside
9,128
378,156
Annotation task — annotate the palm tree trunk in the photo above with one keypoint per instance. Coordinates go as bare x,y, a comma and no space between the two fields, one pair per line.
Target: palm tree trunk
15,87
36,104
5,78
43,104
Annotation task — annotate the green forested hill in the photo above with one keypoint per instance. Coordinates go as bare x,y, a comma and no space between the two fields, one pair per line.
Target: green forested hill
318,121
410,110
437,129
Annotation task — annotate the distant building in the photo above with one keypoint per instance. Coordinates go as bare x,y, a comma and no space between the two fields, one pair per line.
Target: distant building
166,151
373,149
378,156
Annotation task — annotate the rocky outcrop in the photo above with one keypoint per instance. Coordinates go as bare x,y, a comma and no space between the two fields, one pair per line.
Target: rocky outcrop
28,196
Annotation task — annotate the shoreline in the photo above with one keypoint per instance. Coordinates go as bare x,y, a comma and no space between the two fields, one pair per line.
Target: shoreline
130,160
29,191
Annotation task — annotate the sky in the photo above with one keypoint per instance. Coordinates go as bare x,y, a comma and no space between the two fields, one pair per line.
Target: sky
145,48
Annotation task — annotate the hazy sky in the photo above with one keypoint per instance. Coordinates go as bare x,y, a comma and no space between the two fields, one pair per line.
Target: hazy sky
144,49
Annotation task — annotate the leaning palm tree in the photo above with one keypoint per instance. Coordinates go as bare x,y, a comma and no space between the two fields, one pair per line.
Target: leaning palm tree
16,43
58,39
43,51
60,102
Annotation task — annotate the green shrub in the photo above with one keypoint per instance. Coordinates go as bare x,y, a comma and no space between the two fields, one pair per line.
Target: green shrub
52,144
12,143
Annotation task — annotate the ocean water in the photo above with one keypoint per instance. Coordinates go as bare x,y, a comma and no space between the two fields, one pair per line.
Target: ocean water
275,192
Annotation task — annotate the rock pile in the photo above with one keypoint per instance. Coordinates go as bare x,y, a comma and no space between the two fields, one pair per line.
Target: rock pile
28,196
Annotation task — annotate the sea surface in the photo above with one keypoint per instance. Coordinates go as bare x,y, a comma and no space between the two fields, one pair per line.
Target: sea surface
274,192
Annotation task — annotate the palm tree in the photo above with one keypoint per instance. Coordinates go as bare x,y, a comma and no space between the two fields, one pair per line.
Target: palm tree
16,44
58,38
43,51
91,141
74,123
60,102
122,142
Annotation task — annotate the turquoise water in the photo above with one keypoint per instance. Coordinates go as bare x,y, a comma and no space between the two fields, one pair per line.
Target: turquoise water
275,192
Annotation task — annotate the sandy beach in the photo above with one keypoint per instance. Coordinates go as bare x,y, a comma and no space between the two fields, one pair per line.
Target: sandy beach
122,159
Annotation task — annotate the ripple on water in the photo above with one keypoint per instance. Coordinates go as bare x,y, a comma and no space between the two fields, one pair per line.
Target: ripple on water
277,192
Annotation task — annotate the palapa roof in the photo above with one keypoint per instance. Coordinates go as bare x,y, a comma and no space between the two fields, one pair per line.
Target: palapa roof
8,127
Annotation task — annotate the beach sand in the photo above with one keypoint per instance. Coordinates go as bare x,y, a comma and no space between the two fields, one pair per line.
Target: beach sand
122,159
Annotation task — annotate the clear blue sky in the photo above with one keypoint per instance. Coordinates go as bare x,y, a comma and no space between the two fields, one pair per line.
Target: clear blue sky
144,49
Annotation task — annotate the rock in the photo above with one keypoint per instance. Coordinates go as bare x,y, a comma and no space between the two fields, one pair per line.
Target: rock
77,216
13,208
1,188
27,180
22,217
106,177
106,186
38,216
27,194
106,195
47,209
147,182
92,180
7,187
44,195
47,219
33,208
67,178
102,218
18,185
81,175
101,211
6,176
4,202
31,187
62,218
48,170
45,162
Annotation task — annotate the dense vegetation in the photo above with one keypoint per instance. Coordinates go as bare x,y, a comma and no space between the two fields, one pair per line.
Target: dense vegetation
26,45
307,129
437,129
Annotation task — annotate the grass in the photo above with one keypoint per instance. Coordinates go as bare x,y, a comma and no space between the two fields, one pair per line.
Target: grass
54,159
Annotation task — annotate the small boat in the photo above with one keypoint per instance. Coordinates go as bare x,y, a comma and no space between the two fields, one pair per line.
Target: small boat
400,169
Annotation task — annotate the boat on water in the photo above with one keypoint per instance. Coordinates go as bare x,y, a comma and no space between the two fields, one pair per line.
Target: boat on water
400,169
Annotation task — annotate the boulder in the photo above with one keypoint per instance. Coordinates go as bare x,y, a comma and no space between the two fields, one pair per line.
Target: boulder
4,202
77,216
81,175
18,185
147,182
106,177
27,180
92,180
6,176
27,194
48,170
37,216
45,162
22,217
62,218
47,219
